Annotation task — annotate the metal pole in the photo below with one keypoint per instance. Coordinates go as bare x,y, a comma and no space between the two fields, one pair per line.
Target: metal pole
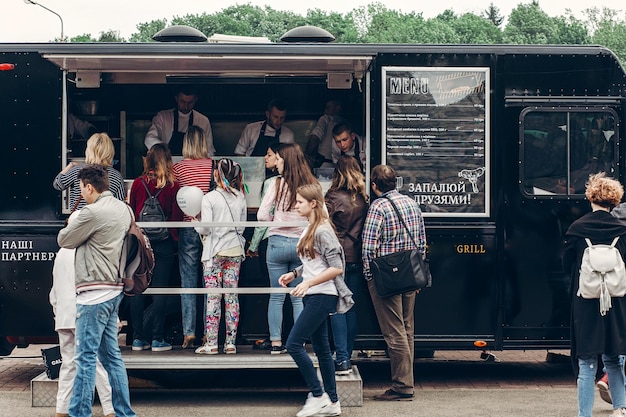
51,11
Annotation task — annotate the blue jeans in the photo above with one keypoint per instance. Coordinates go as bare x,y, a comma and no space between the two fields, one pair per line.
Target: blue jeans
587,366
281,258
189,265
96,336
343,326
313,324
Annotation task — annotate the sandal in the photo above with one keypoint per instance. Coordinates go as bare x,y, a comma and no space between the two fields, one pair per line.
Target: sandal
207,350
230,349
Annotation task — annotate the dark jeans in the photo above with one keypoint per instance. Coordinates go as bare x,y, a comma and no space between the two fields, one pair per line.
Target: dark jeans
163,261
313,324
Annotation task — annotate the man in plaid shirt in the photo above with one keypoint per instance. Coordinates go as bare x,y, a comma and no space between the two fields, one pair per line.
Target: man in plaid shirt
384,234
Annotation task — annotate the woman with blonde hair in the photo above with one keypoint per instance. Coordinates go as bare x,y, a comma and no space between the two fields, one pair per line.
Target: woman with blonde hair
279,206
99,151
324,293
196,169
158,181
346,201
594,334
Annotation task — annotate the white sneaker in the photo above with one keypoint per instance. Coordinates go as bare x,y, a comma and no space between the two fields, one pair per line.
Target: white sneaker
619,412
332,409
313,405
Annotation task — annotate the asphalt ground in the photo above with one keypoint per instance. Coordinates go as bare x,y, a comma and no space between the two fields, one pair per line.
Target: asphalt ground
455,383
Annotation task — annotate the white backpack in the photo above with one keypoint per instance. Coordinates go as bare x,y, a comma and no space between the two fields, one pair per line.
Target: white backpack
602,274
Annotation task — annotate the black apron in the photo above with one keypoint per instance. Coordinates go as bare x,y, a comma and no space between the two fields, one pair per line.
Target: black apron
263,142
357,153
176,141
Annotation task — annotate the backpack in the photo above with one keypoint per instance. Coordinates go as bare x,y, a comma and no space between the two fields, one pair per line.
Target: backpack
137,260
153,212
602,274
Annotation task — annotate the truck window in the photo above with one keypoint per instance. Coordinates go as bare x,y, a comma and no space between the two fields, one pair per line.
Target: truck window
560,149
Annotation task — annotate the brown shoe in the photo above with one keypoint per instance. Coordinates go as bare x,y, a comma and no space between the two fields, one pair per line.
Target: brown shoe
391,395
188,341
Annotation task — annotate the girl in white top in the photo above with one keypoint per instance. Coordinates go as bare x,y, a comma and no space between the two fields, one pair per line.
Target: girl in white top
279,205
322,270
223,252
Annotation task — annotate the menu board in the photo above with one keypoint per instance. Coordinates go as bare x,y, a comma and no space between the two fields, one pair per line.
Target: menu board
436,137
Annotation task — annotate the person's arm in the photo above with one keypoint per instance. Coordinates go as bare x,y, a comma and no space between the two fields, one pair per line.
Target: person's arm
371,233
81,128
244,141
78,230
265,212
156,133
206,214
301,289
208,132
66,177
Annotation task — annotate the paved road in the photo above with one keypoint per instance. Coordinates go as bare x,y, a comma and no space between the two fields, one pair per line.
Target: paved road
450,384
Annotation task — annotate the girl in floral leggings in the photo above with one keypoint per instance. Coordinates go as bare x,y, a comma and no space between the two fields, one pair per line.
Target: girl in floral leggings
223,252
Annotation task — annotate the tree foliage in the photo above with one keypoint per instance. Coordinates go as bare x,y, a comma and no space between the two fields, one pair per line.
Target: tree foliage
376,23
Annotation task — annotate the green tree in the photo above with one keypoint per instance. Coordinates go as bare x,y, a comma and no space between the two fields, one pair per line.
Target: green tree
341,27
147,30
110,36
376,23
493,15
529,24
476,29
570,31
612,34
85,37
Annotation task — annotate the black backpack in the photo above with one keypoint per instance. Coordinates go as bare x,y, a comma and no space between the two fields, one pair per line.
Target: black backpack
153,212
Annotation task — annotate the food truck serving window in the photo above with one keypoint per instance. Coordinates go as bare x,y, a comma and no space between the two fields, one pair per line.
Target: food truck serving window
436,137
560,148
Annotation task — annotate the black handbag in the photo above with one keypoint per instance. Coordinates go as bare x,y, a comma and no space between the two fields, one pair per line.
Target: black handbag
52,361
400,272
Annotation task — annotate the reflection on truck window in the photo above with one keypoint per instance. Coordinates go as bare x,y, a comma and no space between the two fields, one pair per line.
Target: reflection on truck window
561,149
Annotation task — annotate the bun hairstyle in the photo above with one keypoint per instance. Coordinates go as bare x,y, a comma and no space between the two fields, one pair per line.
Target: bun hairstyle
229,176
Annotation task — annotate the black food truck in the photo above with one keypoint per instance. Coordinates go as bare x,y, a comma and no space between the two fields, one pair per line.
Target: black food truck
495,142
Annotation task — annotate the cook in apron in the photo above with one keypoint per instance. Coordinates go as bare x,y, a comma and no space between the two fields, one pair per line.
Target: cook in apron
176,141
263,142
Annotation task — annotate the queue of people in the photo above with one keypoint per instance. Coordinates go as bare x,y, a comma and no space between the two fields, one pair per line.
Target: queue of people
321,262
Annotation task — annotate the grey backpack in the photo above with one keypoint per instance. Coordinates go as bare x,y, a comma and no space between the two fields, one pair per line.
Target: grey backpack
153,212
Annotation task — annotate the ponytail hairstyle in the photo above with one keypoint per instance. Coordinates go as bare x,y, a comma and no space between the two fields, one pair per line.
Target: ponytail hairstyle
348,176
312,192
229,176
157,164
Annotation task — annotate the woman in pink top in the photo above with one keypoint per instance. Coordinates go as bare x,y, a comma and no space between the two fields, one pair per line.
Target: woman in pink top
293,172
196,169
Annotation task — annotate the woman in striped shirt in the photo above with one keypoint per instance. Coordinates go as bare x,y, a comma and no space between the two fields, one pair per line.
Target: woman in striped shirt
196,170
99,151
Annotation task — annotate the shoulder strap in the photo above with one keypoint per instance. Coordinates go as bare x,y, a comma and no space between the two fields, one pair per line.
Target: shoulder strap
589,244
145,185
403,223
614,241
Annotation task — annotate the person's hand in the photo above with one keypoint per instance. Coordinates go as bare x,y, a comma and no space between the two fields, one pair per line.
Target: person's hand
251,254
285,279
300,289
195,219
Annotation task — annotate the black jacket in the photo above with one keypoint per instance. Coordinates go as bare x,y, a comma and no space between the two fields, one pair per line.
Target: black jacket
593,333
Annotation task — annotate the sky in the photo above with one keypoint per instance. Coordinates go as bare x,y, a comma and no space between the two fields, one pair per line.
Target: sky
22,22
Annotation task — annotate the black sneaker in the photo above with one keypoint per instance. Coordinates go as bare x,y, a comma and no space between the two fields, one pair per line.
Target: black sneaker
343,368
277,350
